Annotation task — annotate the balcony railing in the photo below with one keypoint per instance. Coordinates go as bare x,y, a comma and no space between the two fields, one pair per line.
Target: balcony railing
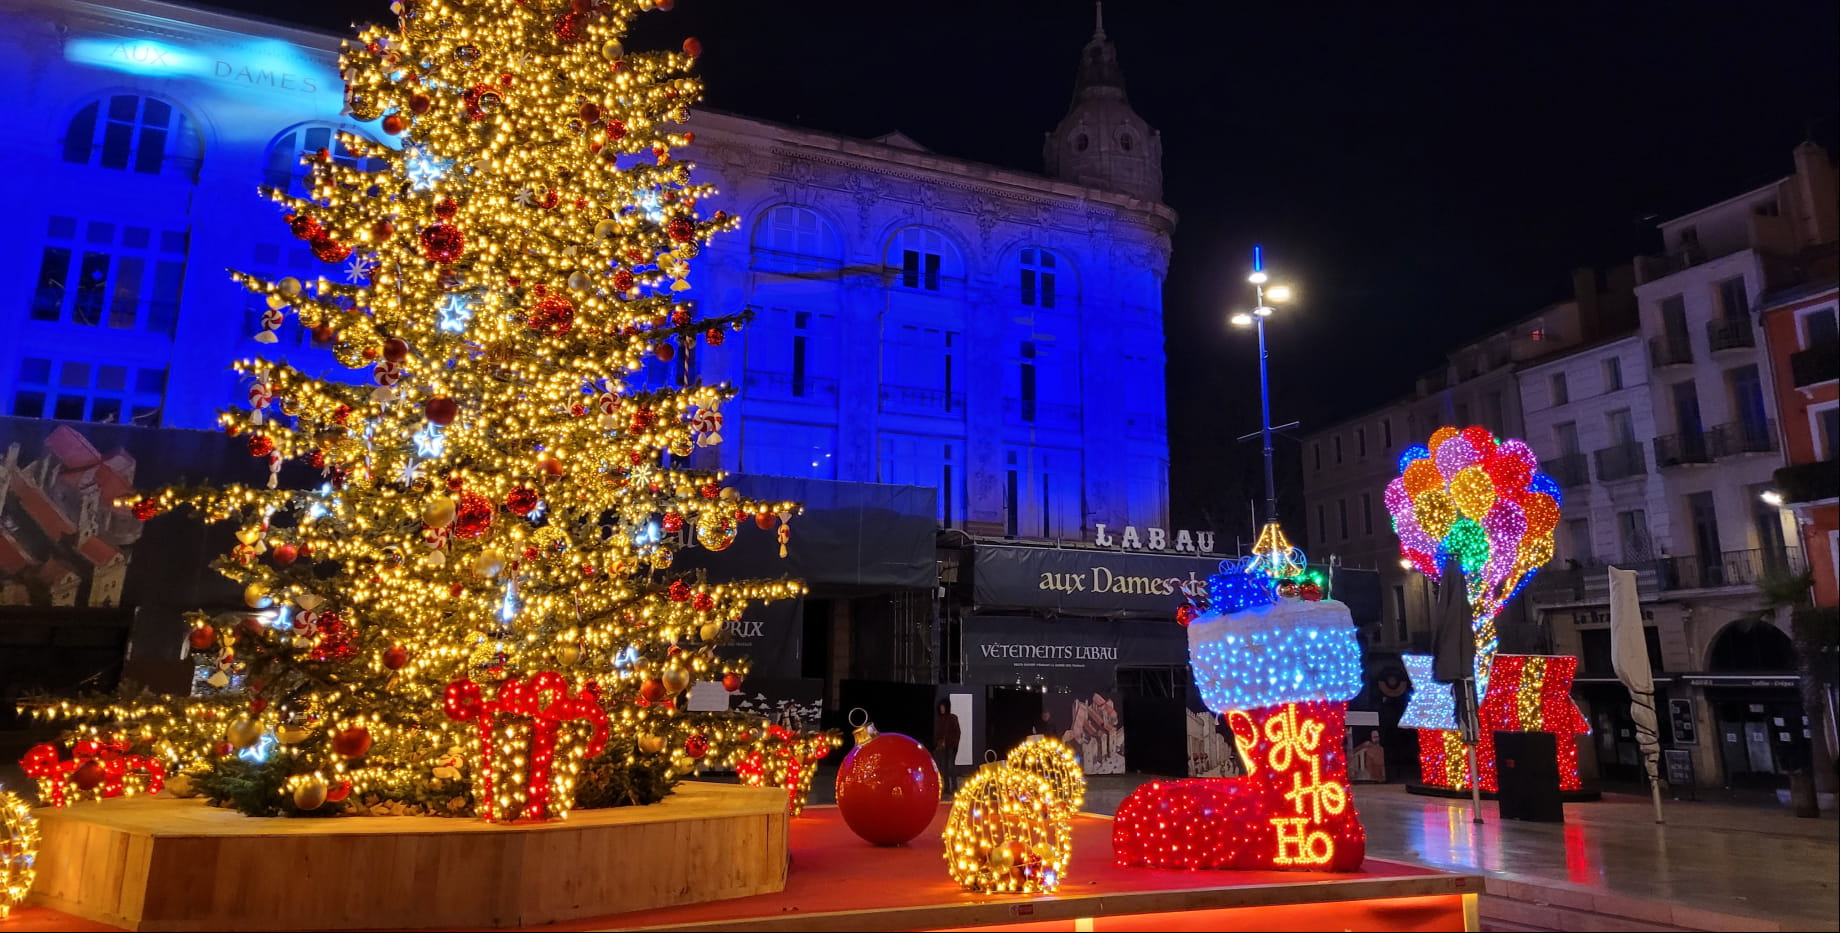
1732,568
1621,461
1809,482
1815,365
1569,470
1678,449
907,400
1650,268
1742,437
1663,351
785,387
1730,333
1588,582
1042,414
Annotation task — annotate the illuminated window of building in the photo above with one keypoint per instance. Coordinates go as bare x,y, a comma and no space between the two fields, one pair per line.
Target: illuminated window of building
789,228
109,275
285,171
80,390
1037,278
921,254
128,132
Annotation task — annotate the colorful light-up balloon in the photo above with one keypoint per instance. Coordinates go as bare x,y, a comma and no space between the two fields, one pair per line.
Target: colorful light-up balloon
1470,495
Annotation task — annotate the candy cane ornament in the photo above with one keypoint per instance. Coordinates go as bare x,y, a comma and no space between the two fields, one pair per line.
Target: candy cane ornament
609,407
271,322
707,425
260,395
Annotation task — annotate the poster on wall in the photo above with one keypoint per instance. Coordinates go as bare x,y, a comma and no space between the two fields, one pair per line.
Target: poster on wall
1211,752
1366,751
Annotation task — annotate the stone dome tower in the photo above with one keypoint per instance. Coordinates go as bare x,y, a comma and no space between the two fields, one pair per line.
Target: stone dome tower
1101,142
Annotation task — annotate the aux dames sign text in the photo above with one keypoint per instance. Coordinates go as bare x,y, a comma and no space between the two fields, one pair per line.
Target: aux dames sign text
1087,582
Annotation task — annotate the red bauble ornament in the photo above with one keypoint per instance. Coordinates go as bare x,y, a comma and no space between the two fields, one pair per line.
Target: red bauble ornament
146,509
679,591
616,129
553,315
396,349
710,490
590,112
652,690
764,521
692,47
338,639
1186,614
681,230
697,745
284,554
339,791
443,243
395,656
304,227
552,467
715,336
395,124
680,317
703,602
571,27
673,522
257,705
382,230
419,103
473,518
352,743
624,280
446,208
888,789
201,637
441,410
521,501
324,334
731,682
88,775
260,445
1310,592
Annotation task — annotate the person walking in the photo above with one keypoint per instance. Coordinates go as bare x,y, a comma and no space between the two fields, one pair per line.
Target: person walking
945,747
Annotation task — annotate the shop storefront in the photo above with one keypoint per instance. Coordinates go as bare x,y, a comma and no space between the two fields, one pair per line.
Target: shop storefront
1082,644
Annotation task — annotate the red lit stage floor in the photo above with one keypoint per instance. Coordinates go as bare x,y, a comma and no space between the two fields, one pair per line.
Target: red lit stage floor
839,882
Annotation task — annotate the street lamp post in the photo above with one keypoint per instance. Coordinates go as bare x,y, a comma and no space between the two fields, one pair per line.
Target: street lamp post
1272,547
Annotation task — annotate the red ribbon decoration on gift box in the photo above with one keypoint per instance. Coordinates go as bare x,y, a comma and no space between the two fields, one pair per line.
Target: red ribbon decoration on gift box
116,768
543,698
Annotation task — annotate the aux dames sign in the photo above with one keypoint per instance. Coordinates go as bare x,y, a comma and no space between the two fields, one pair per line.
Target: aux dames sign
1085,582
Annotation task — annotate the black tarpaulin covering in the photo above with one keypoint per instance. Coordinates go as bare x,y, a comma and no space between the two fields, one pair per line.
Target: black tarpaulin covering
850,537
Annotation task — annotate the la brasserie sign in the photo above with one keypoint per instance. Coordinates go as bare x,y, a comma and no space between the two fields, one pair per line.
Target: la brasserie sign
1155,539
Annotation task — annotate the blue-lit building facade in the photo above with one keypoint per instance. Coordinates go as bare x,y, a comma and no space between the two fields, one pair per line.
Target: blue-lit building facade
992,335
922,320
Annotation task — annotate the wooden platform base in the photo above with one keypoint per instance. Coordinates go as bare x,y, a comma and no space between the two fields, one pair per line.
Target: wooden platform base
164,864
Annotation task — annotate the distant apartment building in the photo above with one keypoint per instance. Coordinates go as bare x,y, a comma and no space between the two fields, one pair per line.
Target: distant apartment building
1803,338
1347,465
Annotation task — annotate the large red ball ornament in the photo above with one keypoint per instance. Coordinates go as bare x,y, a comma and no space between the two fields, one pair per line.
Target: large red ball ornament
443,243
395,656
888,789
88,775
201,637
665,352
354,742
441,410
692,47
330,250
474,516
396,349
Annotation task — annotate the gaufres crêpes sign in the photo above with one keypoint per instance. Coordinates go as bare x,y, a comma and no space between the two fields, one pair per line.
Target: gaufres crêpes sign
1155,539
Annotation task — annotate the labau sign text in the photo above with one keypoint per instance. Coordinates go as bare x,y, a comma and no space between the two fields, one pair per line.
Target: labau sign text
1156,539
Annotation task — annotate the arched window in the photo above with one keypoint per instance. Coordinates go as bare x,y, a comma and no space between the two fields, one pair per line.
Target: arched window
285,170
1037,280
789,228
134,133
924,258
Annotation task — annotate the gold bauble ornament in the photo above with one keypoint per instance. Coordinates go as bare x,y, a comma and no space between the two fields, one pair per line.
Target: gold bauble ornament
440,512
255,596
567,655
364,108
489,564
710,631
612,50
289,286
249,535
293,734
310,792
244,732
676,680
651,744
715,529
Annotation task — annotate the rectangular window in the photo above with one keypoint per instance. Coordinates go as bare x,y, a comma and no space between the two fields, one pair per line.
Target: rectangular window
1561,393
1047,508
1565,435
1492,412
1028,287
1674,327
1367,513
1338,449
1399,610
1316,450
1360,442
945,488
1622,427
1578,540
1734,301
910,268
1012,521
946,374
77,390
1027,377
932,272
1632,536
1613,374
1747,403
1386,434
120,278
1341,511
1820,328
1827,428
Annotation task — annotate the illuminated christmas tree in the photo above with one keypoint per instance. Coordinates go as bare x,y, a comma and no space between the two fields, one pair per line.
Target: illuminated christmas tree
475,593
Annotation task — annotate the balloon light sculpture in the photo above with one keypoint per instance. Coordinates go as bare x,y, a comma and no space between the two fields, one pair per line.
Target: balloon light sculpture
1280,668
1482,500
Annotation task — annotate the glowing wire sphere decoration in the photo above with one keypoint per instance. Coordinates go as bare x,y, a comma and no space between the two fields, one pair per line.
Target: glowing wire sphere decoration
1057,764
18,851
1008,833
1481,499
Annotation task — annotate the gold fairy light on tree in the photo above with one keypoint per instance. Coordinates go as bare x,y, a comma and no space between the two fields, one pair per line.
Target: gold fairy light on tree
483,549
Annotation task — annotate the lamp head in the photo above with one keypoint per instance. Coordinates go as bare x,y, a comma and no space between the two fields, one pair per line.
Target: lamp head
1242,319
1278,293
1258,278
1263,310
1772,497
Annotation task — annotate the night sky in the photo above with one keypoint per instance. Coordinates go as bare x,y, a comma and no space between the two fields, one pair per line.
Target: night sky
1421,176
